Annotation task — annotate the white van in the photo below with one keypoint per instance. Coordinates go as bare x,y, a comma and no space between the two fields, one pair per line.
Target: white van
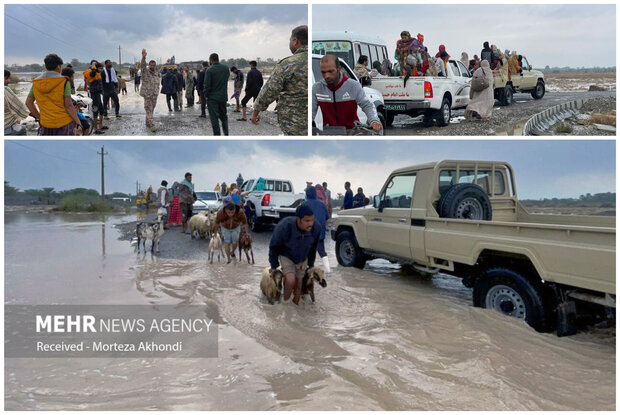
349,46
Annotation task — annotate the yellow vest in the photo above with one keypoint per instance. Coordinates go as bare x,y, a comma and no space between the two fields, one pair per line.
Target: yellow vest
49,94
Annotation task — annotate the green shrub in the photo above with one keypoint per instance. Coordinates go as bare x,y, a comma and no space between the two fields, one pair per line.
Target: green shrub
83,203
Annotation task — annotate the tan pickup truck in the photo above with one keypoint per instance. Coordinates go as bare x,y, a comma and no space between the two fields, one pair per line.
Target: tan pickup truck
529,80
463,218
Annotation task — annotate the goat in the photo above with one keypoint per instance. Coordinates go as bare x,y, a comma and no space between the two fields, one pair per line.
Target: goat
245,244
307,283
199,223
150,230
212,216
271,284
215,244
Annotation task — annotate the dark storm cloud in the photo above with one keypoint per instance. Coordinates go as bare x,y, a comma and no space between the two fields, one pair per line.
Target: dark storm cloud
103,27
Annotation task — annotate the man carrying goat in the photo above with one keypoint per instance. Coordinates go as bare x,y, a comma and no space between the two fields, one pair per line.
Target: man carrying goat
293,245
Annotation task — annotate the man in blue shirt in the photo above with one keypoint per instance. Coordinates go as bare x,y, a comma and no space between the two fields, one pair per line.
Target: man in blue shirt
348,196
293,246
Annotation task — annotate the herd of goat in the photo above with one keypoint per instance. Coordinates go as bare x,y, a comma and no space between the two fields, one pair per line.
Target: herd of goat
202,225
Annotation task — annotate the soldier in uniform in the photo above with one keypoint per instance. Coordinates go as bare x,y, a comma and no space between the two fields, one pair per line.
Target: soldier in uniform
289,85
149,89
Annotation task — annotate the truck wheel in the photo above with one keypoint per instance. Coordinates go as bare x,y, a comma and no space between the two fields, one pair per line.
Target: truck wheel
539,91
444,113
506,96
389,119
348,252
465,201
512,294
254,223
382,119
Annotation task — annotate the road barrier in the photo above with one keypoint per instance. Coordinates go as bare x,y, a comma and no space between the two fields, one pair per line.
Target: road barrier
540,123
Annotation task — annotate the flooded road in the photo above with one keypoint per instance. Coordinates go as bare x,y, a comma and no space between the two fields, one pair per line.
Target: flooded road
374,339
184,123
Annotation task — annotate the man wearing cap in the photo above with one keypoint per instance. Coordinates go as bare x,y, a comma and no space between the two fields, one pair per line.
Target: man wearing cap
293,246
229,219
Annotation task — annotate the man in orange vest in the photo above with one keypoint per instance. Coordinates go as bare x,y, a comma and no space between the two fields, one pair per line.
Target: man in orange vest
52,93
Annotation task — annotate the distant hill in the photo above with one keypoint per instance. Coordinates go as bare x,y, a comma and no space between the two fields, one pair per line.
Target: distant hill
566,69
607,200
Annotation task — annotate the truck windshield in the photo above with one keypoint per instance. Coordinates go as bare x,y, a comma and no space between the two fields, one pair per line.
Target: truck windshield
206,195
340,48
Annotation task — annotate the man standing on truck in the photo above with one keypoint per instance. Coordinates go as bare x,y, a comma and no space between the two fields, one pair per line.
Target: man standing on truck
347,94
348,196
293,246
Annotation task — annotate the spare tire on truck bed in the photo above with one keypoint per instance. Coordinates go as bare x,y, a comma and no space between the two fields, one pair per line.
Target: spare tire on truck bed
465,201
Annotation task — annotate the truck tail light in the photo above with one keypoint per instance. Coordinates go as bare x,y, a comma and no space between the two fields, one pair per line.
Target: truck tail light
266,200
428,90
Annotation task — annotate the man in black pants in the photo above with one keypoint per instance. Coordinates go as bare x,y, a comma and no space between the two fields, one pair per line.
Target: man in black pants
110,84
201,81
253,85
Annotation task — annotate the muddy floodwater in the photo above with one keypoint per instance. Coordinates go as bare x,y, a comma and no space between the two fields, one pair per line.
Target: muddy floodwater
374,339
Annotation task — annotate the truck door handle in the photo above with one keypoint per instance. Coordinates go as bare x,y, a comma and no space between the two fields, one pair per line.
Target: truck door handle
377,220
402,220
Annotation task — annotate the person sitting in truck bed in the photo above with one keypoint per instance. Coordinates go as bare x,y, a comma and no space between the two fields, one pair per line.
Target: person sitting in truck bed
347,94
442,64
359,200
402,50
360,69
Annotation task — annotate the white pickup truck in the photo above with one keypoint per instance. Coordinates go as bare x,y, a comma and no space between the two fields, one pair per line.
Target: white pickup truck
432,96
269,200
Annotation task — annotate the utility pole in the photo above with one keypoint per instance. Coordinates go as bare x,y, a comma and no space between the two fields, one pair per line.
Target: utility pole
102,171
137,188
120,65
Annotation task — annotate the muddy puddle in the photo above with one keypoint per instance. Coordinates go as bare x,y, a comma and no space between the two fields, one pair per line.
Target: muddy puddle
375,339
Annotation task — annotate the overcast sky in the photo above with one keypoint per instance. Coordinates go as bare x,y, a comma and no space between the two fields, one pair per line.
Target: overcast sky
190,32
543,168
554,35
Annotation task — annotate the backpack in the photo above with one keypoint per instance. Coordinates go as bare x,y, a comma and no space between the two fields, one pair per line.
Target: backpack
479,83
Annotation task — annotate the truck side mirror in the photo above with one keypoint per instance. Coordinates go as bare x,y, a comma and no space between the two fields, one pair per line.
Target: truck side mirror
376,201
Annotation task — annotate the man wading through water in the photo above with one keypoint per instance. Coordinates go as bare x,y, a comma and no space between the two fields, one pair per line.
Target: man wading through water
149,89
293,245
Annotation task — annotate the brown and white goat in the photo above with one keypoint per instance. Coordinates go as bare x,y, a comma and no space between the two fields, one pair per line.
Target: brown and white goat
307,283
271,284
245,244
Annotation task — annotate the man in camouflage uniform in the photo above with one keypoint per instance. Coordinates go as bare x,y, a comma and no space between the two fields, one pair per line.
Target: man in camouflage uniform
288,85
149,89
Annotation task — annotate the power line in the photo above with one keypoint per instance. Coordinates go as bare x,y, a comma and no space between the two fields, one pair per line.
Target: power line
57,19
46,34
47,154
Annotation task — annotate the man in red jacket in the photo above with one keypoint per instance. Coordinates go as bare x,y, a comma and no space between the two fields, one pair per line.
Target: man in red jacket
339,96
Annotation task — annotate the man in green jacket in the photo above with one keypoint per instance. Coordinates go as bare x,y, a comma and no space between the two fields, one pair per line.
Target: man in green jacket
216,93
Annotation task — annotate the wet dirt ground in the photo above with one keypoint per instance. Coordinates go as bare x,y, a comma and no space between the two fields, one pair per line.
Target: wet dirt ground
375,338
184,123
504,119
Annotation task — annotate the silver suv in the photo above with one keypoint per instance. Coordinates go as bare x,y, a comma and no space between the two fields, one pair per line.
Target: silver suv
207,200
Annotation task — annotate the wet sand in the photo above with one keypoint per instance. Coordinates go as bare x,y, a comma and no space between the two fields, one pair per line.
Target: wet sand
375,339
